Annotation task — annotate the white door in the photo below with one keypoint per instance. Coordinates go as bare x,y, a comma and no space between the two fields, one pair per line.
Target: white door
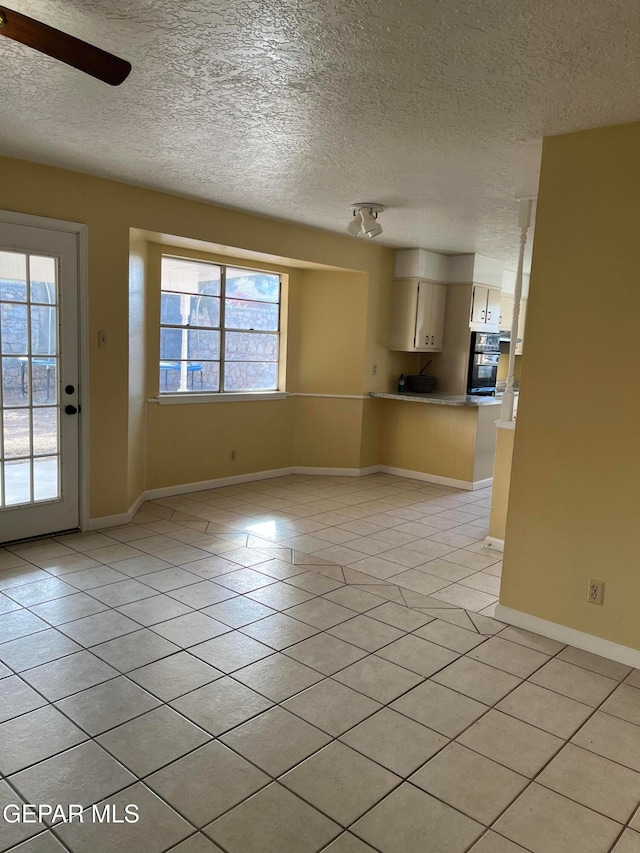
39,401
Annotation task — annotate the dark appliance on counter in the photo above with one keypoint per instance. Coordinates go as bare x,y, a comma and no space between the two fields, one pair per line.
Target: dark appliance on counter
483,363
421,384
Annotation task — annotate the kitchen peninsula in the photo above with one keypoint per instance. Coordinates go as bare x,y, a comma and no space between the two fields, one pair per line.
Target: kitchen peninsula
448,438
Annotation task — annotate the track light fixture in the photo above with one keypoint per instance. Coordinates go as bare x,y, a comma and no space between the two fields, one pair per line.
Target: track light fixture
365,219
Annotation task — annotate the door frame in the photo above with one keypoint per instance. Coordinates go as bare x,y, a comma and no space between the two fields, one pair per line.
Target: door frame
11,217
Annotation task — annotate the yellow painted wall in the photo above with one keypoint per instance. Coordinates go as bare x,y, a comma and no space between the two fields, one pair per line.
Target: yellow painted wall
191,443
501,483
110,209
333,332
503,364
439,440
574,510
327,432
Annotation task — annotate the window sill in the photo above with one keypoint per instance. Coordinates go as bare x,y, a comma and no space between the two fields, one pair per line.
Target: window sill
240,397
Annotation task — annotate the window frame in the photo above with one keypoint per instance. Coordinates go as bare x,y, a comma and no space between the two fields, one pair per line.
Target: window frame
209,395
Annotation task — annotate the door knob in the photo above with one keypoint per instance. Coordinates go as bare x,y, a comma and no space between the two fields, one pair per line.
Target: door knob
71,410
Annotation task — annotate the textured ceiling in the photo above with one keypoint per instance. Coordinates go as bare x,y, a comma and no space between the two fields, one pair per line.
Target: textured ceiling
295,109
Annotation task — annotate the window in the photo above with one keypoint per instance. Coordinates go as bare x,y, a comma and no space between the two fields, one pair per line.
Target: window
219,328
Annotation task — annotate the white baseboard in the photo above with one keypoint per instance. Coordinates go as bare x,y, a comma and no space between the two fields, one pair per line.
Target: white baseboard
337,472
203,485
468,485
115,520
493,543
571,636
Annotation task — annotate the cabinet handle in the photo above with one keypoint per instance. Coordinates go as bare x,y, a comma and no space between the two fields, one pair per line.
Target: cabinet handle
426,341
432,340
482,313
489,315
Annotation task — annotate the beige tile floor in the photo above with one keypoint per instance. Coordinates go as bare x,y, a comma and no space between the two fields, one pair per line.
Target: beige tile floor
303,664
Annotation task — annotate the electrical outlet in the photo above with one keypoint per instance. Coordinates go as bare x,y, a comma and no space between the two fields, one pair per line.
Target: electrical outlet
595,593
374,369
232,456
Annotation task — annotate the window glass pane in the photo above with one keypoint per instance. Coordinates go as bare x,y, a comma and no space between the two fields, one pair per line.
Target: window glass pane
170,309
198,310
248,346
13,276
170,343
200,344
13,328
250,376
248,284
43,279
185,376
205,311
250,315
203,344
190,276
43,330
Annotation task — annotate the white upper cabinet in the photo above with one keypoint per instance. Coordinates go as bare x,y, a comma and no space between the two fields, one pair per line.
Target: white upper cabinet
417,315
485,309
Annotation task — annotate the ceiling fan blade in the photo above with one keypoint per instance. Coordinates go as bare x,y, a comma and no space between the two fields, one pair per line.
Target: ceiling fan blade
79,54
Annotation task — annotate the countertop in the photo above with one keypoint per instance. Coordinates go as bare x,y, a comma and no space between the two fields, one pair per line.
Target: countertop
438,399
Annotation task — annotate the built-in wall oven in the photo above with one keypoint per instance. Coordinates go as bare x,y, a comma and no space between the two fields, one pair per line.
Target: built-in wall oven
483,363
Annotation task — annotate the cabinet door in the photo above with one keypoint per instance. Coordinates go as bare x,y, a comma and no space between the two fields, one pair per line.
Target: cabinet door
438,301
506,311
423,316
402,321
493,308
479,303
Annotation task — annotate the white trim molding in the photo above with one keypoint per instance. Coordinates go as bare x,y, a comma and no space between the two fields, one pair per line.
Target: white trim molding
115,520
468,485
571,636
493,543
334,396
81,230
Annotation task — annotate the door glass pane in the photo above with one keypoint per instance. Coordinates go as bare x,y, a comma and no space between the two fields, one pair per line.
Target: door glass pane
44,380
43,330
30,440
13,277
13,328
15,382
43,279
46,478
17,433
17,482
45,431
